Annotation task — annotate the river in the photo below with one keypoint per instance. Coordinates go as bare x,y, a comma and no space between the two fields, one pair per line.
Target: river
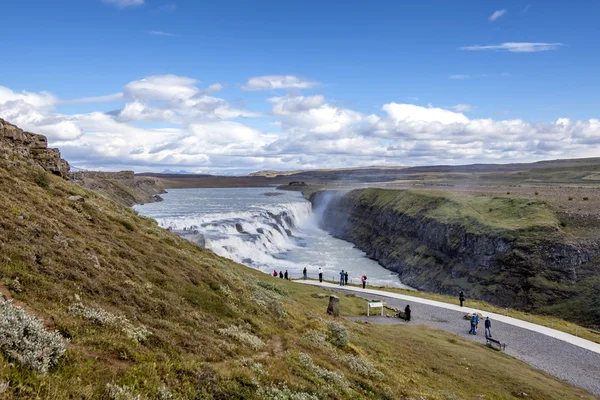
267,232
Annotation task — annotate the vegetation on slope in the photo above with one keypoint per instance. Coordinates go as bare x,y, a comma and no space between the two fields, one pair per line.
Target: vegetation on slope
146,313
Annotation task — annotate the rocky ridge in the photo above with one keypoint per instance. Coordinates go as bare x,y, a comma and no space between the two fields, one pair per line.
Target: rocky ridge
32,148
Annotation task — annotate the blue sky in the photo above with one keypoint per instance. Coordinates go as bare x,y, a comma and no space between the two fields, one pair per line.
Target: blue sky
477,81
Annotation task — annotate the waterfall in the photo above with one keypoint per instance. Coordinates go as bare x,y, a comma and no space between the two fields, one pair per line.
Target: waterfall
256,237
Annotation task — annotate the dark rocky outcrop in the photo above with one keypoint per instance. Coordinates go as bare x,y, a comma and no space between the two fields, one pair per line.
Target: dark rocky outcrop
537,268
32,148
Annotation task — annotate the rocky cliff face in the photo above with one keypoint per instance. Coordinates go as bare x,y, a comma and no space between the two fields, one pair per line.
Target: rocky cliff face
539,268
124,187
31,147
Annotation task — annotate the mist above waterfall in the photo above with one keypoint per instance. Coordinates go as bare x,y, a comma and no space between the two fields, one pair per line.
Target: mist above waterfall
264,232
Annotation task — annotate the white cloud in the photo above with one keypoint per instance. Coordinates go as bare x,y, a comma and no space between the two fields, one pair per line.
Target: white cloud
497,14
97,99
124,3
462,108
204,133
271,82
161,33
161,87
517,47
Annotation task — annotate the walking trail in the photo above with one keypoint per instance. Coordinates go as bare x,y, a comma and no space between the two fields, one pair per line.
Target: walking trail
565,356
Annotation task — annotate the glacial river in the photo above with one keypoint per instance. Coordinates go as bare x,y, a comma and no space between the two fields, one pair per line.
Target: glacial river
265,232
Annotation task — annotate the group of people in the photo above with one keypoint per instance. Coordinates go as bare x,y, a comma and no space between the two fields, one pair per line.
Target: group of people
475,319
343,276
281,274
475,325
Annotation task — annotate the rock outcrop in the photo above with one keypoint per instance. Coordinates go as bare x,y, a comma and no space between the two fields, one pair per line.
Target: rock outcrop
124,187
32,148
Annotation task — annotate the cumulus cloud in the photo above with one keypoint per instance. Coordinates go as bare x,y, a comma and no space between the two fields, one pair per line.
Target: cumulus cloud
207,133
124,3
497,14
462,108
516,47
271,82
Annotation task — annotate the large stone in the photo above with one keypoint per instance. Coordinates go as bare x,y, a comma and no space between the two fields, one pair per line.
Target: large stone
334,306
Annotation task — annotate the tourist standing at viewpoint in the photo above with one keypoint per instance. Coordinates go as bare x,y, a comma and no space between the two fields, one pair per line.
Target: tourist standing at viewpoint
473,330
363,279
488,327
342,278
461,297
346,278
304,273
320,274
285,275
407,313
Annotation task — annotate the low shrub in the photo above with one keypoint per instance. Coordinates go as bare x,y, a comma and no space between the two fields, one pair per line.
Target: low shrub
41,179
245,338
25,339
323,373
363,367
339,335
282,392
116,392
102,317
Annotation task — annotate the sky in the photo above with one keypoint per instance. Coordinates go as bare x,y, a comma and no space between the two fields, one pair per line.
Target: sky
233,87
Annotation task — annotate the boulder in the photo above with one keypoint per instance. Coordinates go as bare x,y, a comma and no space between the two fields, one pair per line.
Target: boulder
334,306
77,198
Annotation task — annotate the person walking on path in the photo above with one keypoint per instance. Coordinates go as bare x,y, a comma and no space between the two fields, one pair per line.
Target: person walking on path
342,278
461,297
476,322
473,330
304,273
346,278
285,275
363,279
275,273
320,274
488,327
281,274
407,313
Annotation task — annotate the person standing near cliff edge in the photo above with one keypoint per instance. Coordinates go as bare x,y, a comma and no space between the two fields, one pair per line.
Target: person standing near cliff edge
304,273
320,274
346,278
461,297
342,278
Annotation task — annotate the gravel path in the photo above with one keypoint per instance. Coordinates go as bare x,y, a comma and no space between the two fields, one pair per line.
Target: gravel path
574,364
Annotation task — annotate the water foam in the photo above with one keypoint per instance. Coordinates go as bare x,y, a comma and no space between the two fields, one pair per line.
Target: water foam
256,237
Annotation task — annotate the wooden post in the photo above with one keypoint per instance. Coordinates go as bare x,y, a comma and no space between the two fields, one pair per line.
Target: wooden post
334,306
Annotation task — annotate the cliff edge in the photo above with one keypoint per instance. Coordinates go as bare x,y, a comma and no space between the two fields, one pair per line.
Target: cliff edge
512,252
32,148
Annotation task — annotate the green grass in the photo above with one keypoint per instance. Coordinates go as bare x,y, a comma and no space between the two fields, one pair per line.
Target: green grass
105,256
479,214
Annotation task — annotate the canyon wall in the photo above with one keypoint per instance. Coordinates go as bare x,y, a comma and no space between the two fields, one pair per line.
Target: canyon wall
510,252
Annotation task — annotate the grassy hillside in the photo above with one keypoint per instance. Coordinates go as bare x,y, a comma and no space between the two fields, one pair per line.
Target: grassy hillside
142,312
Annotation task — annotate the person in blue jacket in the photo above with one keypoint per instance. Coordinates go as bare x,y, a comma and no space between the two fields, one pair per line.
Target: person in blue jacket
473,330
342,276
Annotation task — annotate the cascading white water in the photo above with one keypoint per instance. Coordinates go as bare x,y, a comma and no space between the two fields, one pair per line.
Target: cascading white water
253,237
275,232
